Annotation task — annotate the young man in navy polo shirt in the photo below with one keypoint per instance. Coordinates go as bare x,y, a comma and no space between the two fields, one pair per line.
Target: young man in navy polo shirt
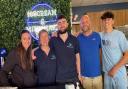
66,48
90,46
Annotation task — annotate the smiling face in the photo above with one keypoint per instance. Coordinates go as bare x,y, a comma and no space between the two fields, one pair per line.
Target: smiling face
85,23
26,40
107,23
44,38
62,24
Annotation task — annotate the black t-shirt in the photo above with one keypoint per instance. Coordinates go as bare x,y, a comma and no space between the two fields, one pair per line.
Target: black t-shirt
66,58
45,66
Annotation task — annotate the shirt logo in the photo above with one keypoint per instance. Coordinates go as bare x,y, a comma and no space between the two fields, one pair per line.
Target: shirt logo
70,45
53,57
94,39
106,42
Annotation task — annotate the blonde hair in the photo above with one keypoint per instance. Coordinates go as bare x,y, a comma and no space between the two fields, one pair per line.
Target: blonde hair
42,31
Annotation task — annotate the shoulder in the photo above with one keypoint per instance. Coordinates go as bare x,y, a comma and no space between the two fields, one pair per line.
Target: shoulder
120,36
80,35
96,34
13,55
53,38
37,50
72,37
74,40
13,52
100,33
117,32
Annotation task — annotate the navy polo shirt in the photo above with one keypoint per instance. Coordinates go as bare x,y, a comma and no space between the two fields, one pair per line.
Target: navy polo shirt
45,66
90,54
66,58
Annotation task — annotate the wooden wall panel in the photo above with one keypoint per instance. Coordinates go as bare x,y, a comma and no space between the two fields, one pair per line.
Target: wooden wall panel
121,18
126,16
95,20
75,29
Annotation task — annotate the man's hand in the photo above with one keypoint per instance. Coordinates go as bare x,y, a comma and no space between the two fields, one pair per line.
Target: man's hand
33,56
80,78
112,72
54,34
122,62
32,53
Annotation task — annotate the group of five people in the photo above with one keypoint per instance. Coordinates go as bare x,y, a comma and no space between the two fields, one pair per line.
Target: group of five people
65,59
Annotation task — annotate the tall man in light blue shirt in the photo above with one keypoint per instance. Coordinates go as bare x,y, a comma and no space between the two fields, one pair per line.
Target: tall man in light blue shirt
115,54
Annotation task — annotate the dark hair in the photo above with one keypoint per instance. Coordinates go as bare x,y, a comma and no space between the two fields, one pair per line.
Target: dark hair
85,13
42,31
107,15
25,56
61,17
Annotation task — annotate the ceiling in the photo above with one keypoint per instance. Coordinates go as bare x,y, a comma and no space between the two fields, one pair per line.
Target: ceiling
76,3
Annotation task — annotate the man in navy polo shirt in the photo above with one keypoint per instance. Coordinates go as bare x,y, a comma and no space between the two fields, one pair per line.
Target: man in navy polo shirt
66,48
90,46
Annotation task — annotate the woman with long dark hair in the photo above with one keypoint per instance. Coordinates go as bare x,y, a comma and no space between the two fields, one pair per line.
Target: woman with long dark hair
18,67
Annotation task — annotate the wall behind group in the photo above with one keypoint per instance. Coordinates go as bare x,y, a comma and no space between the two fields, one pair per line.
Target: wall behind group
120,11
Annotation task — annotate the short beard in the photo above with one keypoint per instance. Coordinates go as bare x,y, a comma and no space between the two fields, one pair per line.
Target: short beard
85,30
62,32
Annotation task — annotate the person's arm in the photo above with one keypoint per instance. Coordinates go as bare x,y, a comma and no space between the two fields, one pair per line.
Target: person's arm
78,64
3,79
121,63
77,52
8,67
78,67
54,34
33,50
101,56
123,43
35,65
100,50
52,43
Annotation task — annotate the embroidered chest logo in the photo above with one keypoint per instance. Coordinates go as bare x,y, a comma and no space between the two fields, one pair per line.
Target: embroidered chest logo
94,39
69,45
53,57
